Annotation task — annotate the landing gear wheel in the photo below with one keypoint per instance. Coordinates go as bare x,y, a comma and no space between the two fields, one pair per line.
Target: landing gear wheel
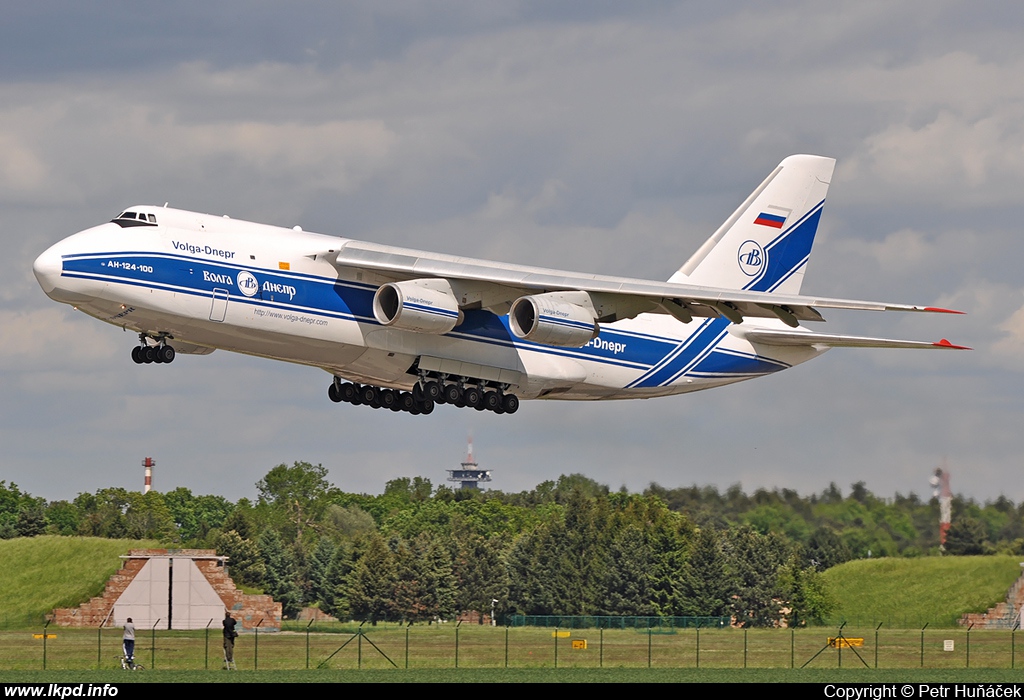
137,355
333,394
347,392
426,406
406,402
492,401
366,395
417,392
148,354
432,390
472,396
165,354
510,403
387,398
452,393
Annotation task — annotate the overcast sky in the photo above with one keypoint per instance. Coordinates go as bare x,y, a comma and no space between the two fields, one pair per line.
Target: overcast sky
594,136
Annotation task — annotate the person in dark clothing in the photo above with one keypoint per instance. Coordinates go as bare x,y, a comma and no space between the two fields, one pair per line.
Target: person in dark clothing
229,641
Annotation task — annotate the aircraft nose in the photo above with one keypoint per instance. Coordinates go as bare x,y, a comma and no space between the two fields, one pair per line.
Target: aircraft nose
47,269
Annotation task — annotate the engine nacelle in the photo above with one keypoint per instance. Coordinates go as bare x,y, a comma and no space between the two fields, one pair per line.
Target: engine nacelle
550,320
424,306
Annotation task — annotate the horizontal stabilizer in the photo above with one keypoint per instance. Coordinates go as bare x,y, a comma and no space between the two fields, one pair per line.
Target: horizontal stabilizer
798,338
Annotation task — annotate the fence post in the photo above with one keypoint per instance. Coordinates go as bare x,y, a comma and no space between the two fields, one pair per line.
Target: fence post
698,645
744,647
206,659
44,643
506,646
407,644
792,647
256,657
307,643
1013,643
876,643
969,645
839,642
922,644
457,625
99,644
601,643
556,647
648,646
152,645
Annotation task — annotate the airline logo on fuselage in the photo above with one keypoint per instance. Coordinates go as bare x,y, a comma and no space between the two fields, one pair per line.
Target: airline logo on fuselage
216,278
249,286
203,250
247,283
599,343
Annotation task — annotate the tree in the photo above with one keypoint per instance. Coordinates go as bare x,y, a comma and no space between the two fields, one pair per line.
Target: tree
371,589
807,594
244,561
966,536
707,585
479,574
627,582
148,517
295,496
335,589
279,577
825,549
755,560
319,565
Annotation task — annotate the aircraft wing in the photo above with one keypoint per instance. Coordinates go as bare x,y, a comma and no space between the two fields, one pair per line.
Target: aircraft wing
767,336
625,296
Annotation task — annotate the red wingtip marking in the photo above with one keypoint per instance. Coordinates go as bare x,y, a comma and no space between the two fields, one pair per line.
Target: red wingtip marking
946,344
937,310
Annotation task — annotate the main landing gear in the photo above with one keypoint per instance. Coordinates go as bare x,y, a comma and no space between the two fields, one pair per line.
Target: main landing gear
426,394
144,353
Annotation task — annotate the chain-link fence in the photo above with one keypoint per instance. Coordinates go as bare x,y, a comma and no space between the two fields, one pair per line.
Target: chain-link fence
475,646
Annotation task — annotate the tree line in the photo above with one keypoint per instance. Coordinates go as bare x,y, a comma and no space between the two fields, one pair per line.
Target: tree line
567,547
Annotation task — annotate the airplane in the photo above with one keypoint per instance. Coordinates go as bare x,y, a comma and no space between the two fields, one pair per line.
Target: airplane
407,330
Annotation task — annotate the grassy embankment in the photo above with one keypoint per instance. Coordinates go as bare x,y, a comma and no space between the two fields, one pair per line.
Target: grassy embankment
43,573
907,593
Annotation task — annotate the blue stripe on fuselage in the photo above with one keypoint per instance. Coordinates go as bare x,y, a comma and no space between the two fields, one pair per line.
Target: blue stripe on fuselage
664,359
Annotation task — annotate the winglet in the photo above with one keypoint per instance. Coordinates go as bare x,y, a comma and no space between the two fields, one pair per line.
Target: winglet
946,344
938,310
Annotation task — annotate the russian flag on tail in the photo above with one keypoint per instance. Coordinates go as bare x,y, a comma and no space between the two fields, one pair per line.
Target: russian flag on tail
767,219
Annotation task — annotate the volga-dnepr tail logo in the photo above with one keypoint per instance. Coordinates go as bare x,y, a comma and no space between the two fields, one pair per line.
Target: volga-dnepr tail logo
247,283
751,258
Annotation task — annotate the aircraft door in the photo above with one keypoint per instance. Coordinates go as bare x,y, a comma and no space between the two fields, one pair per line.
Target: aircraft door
219,308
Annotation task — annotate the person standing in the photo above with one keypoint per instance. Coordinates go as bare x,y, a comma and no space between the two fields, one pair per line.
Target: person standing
128,641
229,641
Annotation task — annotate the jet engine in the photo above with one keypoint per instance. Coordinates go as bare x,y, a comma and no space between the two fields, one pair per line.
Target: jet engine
550,320
424,306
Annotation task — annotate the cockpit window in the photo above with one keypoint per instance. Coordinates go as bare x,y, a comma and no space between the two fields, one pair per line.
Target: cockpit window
132,218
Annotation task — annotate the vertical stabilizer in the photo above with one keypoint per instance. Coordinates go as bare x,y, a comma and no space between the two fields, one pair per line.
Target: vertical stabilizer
764,246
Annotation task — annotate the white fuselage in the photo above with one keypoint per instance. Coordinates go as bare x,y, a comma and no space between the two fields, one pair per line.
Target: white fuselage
274,292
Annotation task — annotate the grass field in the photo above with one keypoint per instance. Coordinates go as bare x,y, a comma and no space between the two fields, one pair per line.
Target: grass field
616,675
911,592
47,572
392,647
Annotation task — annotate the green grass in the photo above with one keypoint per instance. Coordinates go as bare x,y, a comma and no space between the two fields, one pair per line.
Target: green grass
480,648
911,592
590,675
47,572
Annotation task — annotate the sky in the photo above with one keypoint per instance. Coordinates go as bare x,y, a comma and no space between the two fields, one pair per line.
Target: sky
593,136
